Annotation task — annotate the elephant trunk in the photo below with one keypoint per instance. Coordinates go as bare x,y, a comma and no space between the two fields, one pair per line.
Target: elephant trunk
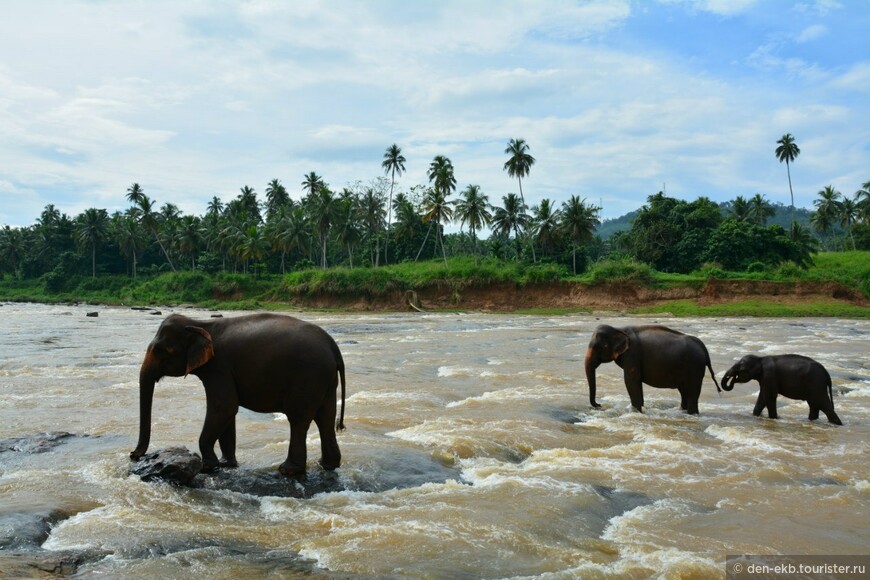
592,363
728,380
146,395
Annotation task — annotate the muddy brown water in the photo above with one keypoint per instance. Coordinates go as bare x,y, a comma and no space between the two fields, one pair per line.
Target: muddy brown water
471,451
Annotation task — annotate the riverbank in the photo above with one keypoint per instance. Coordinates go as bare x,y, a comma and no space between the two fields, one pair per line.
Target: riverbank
838,285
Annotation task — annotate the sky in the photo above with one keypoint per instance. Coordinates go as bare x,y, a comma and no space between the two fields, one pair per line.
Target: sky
617,99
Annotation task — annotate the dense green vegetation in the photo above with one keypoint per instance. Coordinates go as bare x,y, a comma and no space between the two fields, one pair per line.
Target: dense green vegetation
373,238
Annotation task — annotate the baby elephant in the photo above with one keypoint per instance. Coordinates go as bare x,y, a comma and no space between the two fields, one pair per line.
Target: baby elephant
791,375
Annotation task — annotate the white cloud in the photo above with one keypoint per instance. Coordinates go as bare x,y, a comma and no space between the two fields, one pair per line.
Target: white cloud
811,33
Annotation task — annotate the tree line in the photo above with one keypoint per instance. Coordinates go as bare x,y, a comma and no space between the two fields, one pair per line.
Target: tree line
373,224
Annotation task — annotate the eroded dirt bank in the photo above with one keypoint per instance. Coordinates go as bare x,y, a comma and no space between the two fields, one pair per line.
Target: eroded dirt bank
574,295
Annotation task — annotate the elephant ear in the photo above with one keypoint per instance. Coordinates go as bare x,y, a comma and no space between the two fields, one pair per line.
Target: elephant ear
620,344
200,349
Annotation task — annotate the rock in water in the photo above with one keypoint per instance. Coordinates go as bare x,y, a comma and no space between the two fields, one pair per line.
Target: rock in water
174,465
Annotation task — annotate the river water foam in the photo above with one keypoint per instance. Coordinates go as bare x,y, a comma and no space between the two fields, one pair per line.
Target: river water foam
471,451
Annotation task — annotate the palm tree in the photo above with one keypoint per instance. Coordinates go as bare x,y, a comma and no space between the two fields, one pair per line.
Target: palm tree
323,208
545,224
190,238
312,184
393,163
474,209
134,194
863,198
151,221
131,239
788,152
346,222
276,197
373,213
511,217
848,212
92,227
578,222
441,173
760,210
13,246
436,209
519,163
827,209
249,206
740,209
215,206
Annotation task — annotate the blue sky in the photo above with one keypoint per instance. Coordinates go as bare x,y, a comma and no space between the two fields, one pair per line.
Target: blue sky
617,99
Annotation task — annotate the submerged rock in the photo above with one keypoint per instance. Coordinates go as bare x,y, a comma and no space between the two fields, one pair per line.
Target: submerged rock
174,465
35,443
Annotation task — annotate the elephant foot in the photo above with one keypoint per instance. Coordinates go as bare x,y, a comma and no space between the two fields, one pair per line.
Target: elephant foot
330,465
596,405
209,466
228,463
136,455
291,470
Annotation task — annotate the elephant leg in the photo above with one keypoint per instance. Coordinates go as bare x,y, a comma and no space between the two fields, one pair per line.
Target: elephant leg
814,412
330,455
827,407
297,454
227,442
759,404
634,385
770,403
214,427
684,405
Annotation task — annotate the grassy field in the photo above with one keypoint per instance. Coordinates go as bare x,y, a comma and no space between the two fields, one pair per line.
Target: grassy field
238,291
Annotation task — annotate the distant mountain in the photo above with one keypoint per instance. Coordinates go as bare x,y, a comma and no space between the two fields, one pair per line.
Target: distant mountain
781,218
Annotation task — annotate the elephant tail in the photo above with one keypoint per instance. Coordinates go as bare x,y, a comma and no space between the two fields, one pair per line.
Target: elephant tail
712,374
340,425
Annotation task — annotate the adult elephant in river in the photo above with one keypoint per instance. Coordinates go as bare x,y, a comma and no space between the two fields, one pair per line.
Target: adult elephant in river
263,362
790,375
655,355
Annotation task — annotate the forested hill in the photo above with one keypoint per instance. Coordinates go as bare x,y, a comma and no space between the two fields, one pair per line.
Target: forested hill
781,218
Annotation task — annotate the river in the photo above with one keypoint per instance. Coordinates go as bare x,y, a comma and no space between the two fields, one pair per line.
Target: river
470,451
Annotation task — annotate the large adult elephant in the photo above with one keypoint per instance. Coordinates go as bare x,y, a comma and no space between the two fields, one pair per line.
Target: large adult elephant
263,362
790,375
656,355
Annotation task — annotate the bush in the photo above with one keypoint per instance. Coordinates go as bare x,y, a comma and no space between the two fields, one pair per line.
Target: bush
620,271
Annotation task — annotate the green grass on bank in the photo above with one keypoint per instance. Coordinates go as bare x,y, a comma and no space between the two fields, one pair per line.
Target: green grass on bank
242,291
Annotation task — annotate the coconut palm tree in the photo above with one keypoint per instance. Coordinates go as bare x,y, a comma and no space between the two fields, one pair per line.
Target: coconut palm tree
545,222
393,163
151,221
863,198
134,194
788,152
130,236
827,209
436,209
372,214
760,210
311,184
276,197
190,238
323,209
740,209
519,163
13,246
473,209
848,213
215,206
578,222
92,227
511,217
347,222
